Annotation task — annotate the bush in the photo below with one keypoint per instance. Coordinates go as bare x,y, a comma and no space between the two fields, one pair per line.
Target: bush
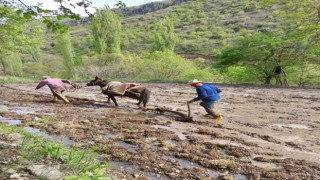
34,69
13,65
111,66
306,75
166,66
239,74
203,75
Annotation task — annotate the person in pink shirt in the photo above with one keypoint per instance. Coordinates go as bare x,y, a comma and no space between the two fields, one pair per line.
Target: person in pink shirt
57,87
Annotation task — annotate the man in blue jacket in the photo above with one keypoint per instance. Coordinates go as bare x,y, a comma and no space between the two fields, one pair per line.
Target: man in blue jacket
209,95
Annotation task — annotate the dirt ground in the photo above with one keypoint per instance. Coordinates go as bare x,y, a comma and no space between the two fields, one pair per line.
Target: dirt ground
266,133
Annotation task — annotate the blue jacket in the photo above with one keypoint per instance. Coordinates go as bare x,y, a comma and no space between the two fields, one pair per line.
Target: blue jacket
207,92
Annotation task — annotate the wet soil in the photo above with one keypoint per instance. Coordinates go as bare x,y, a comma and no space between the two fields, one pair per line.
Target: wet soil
266,133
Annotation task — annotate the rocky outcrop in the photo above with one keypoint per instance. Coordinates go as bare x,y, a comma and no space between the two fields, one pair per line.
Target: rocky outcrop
131,11
150,7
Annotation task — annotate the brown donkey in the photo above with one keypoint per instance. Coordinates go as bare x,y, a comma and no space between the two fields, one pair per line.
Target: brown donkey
116,88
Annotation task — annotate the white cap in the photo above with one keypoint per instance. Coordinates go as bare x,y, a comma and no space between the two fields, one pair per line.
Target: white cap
45,77
194,81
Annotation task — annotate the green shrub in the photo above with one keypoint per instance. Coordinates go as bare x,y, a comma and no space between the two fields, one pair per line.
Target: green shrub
166,66
13,64
239,74
34,69
204,75
306,75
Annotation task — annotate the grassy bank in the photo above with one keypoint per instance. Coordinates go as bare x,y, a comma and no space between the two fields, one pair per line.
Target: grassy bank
21,150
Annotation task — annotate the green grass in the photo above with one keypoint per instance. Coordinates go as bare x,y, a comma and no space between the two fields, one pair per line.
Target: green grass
77,164
14,79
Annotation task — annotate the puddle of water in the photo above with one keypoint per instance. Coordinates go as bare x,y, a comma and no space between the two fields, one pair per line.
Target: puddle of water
173,141
266,165
177,131
295,126
64,140
28,110
3,108
127,145
23,111
109,135
213,174
132,169
227,141
238,176
184,163
11,122
216,174
47,114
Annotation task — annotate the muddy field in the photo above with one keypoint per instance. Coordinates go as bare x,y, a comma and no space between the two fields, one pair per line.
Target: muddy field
266,133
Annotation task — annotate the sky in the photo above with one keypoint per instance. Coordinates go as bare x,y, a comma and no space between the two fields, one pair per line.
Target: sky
50,4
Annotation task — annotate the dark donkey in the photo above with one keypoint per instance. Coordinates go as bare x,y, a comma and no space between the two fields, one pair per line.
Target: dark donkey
134,91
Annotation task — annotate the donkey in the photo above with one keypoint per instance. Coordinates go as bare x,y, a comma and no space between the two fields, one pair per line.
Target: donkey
130,90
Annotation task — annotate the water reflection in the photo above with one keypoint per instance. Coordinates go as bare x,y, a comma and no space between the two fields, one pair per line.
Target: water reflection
132,169
214,174
184,163
26,110
30,110
11,122
64,140
292,126
127,145
109,135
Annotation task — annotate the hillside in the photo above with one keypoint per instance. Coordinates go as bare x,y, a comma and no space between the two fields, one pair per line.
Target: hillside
202,27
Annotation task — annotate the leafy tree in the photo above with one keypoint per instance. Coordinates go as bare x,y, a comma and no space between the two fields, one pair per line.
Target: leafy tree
166,65
165,38
300,30
29,12
14,64
300,22
259,51
106,30
36,39
65,47
11,34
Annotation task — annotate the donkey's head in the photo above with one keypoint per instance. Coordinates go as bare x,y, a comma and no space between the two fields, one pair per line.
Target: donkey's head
97,82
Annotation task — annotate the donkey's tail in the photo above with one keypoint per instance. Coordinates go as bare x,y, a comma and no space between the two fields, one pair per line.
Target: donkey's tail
146,97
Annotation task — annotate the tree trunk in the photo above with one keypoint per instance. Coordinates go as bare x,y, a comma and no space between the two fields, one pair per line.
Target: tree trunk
268,80
3,65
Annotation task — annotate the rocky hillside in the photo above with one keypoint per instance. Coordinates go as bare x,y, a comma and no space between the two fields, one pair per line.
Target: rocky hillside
203,27
150,7
136,10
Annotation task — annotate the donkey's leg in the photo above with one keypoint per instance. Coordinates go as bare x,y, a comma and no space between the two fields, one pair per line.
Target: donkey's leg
134,95
140,100
145,97
114,100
